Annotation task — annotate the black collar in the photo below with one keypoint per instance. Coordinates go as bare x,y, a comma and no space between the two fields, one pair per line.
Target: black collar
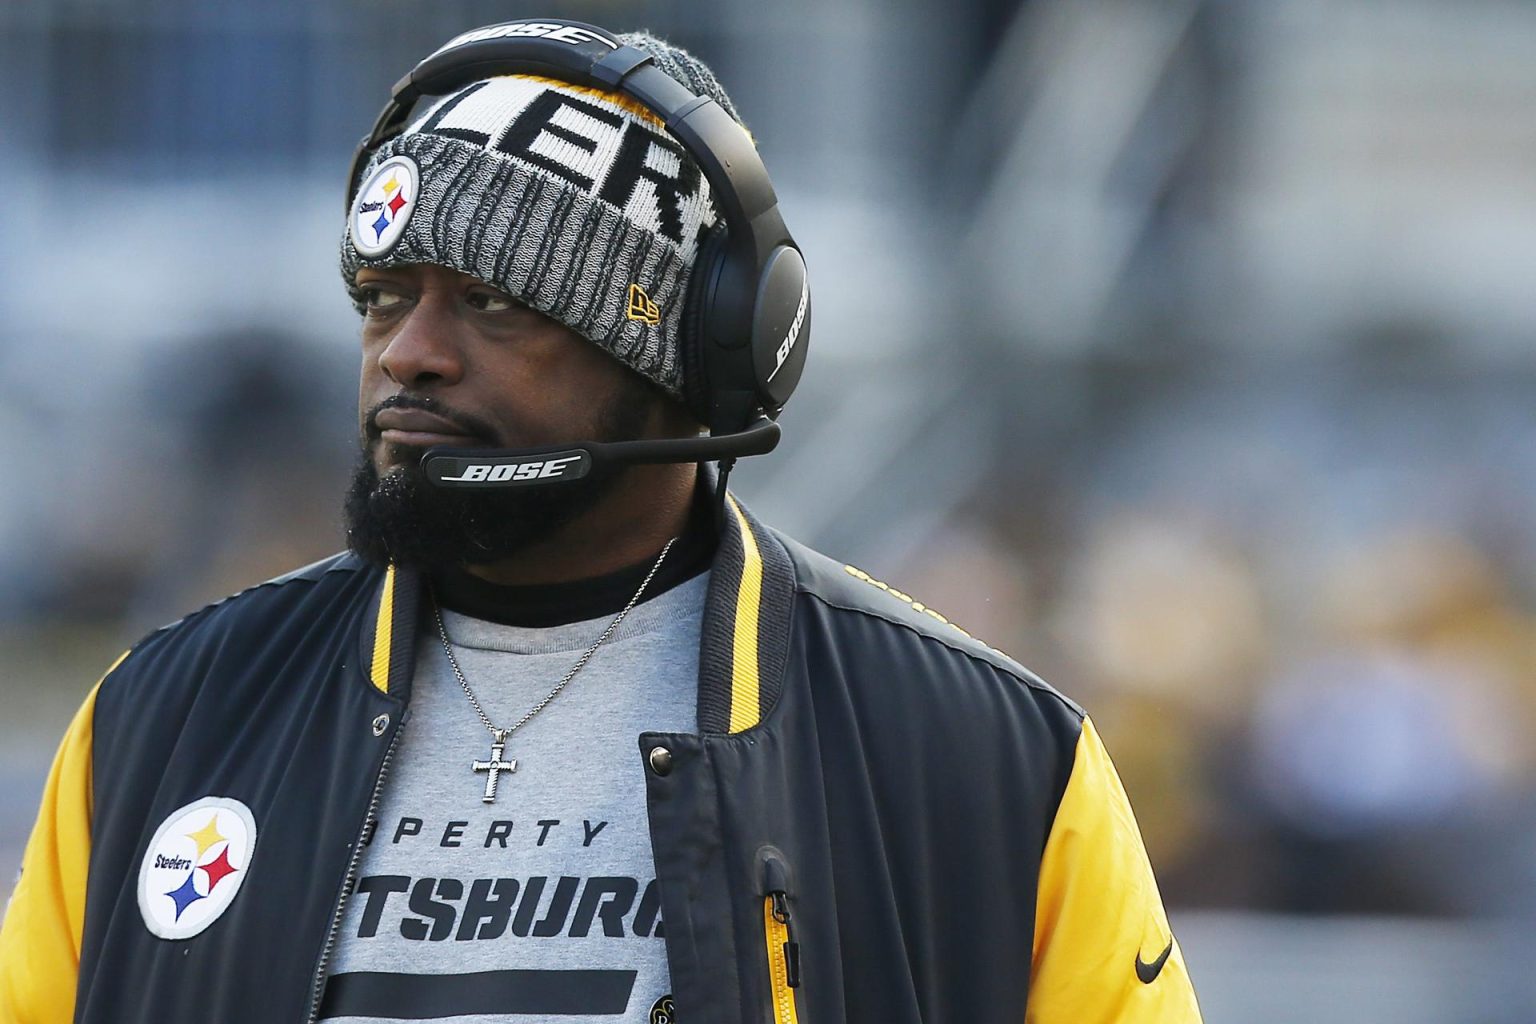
543,605
555,604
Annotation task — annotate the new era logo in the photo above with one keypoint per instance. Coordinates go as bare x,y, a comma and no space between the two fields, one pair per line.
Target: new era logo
641,307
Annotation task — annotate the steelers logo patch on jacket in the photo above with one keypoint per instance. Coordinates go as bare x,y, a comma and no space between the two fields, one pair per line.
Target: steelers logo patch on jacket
195,865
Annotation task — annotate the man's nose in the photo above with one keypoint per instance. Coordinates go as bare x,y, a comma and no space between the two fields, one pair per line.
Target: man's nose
424,351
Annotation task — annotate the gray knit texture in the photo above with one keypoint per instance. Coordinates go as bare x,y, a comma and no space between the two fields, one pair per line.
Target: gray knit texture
549,242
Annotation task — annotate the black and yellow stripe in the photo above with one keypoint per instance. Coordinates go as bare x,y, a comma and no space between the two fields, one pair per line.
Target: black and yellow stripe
741,664
383,632
746,677
389,637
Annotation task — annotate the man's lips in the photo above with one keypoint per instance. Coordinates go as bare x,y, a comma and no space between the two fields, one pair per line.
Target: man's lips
418,428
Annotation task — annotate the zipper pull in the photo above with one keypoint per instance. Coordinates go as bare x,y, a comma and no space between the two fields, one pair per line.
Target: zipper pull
776,886
791,947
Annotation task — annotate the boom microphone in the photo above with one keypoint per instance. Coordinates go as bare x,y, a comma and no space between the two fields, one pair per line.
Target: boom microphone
521,467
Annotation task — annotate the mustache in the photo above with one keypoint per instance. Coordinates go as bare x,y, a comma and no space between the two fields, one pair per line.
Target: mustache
470,425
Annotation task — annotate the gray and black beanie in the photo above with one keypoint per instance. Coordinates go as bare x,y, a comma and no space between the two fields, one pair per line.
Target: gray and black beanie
573,200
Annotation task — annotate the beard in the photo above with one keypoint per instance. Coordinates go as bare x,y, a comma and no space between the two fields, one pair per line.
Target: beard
404,518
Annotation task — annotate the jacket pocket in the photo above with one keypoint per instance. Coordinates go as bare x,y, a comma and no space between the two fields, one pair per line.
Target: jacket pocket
783,952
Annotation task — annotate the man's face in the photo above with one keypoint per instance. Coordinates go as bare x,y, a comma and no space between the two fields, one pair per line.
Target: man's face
451,360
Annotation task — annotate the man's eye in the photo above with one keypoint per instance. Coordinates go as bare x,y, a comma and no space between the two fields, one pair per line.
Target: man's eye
376,298
492,302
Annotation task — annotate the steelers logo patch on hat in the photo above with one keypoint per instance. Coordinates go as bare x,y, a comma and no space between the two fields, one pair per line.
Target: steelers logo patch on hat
195,865
384,206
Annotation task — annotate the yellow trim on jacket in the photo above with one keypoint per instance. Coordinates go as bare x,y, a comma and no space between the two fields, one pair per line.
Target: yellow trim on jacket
1099,921
746,687
383,633
44,921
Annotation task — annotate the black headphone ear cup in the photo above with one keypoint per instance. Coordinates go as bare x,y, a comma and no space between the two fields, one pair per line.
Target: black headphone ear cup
697,388
781,327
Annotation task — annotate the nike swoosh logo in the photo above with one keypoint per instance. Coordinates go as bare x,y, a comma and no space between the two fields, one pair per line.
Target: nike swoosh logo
1148,972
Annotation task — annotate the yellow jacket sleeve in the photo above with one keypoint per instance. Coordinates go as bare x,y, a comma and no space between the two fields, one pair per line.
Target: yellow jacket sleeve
1103,949
40,938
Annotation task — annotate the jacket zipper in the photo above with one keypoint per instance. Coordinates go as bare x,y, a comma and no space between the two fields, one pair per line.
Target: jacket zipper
317,986
779,936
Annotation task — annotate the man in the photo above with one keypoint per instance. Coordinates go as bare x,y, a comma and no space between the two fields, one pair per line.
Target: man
607,747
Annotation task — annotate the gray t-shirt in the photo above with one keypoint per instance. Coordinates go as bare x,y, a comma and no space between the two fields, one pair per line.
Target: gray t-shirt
541,906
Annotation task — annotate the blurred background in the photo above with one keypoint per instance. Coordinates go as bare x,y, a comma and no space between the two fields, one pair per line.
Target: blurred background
1182,349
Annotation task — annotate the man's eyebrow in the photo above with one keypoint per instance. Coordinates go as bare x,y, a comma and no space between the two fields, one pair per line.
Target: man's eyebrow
377,275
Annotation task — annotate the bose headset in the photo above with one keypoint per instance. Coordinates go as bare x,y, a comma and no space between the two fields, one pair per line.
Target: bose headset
746,320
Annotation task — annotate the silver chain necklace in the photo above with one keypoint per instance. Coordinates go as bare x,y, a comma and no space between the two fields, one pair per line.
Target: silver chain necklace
495,766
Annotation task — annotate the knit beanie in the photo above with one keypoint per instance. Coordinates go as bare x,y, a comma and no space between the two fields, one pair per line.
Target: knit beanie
573,200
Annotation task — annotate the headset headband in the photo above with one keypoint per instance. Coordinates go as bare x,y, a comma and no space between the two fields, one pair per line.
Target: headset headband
584,54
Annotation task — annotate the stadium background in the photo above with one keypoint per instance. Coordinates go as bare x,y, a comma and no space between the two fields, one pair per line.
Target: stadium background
1182,349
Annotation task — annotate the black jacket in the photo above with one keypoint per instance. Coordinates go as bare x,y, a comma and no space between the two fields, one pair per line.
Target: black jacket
879,819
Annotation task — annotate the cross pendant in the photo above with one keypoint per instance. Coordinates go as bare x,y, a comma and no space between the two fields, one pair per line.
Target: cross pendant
495,766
